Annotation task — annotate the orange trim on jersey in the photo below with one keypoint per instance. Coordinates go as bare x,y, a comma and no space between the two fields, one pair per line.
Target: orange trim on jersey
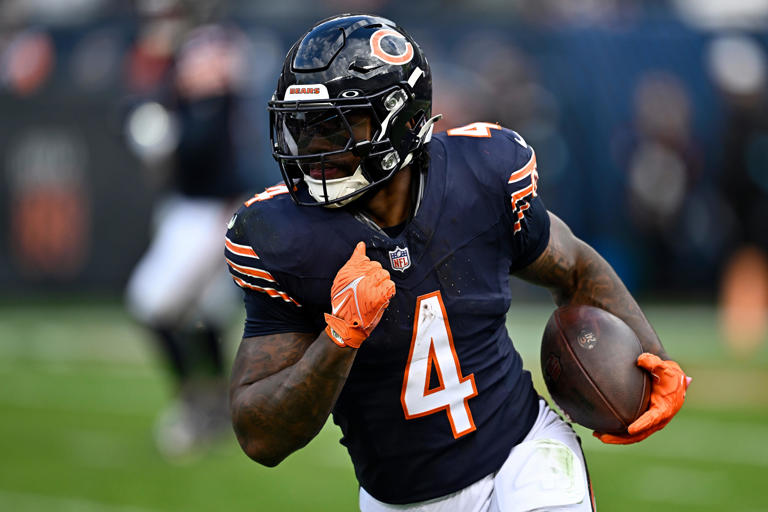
268,193
522,194
269,291
379,52
478,129
239,249
520,216
470,377
527,169
255,272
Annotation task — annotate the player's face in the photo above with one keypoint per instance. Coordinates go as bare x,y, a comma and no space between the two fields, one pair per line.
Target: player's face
326,131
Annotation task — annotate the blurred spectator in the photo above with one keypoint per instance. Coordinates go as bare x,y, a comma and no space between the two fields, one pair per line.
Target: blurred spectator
577,12
152,54
27,62
662,163
739,68
718,14
180,288
664,167
53,12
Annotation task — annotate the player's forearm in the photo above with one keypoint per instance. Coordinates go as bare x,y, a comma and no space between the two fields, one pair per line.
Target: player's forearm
276,414
576,274
596,283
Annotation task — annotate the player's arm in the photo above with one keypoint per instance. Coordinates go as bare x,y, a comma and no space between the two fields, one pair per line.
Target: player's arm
576,274
282,390
284,386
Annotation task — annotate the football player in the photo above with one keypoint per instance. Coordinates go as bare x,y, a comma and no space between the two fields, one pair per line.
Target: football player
180,289
376,286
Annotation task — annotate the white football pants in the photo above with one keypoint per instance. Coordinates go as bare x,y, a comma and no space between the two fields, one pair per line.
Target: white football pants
545,472
183,274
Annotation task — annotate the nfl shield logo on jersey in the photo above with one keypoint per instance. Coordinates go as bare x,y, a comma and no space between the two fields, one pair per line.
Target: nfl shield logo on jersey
400,259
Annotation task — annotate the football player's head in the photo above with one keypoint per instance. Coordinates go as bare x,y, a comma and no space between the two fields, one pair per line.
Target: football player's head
351,108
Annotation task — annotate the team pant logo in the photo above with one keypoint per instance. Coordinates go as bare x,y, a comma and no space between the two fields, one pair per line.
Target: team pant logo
400,259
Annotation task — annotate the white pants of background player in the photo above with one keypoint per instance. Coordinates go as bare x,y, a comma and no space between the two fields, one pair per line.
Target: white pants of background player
183,275
546,472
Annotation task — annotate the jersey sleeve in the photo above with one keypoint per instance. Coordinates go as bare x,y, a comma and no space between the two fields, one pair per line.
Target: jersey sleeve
270,307
527,215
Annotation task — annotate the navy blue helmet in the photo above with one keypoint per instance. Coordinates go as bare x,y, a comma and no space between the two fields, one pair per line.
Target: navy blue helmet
351,108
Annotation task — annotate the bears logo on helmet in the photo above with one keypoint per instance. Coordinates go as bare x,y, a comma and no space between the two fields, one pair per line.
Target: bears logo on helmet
380,53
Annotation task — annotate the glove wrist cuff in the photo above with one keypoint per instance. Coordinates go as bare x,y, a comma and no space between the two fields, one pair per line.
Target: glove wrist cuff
341,333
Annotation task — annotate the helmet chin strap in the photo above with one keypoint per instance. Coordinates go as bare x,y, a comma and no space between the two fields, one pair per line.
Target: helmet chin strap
340,187
424,136
428,128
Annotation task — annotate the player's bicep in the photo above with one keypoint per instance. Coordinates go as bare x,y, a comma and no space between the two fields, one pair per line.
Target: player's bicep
266,315
557,266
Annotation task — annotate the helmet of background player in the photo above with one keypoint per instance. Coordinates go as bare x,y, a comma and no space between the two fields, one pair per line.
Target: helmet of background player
352,107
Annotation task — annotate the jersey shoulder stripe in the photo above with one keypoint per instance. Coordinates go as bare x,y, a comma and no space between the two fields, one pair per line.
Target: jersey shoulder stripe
248,270
269,291
268,193
526,171
500,159
239,249
524,182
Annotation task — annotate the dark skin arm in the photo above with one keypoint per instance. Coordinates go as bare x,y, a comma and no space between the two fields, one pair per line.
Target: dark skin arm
282,390
576,274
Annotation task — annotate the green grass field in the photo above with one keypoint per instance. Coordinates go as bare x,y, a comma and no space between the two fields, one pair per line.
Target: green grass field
80,388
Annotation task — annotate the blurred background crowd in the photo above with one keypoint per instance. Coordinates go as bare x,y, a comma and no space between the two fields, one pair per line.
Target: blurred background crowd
649,118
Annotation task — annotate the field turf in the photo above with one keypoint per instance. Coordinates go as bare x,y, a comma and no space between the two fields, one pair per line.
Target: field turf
80,388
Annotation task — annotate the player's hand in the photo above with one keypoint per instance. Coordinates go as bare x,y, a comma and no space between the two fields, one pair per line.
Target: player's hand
668,385
359,296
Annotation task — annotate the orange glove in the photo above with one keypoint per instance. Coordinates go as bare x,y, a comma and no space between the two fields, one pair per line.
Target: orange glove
359,296
667,396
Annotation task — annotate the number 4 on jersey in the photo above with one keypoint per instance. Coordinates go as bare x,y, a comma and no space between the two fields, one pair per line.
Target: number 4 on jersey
474,130
482,130
432,350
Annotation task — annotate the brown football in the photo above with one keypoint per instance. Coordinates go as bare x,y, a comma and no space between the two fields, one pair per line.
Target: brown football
589,362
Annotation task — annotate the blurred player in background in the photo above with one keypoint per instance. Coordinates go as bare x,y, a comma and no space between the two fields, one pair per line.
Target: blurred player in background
180,289
382,297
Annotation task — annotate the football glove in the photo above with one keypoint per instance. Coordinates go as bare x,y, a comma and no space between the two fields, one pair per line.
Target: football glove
359,296
668,387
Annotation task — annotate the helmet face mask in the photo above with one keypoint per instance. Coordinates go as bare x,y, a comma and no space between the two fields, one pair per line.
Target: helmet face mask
350,112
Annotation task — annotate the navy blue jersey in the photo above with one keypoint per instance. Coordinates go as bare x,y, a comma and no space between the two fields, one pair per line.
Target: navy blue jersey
437,395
